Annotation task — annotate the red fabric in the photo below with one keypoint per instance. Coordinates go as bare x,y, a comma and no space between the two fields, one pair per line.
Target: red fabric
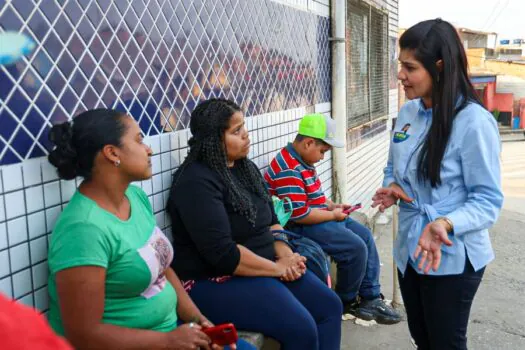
23,328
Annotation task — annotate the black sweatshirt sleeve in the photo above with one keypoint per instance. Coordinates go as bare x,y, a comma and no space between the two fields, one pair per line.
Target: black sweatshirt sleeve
200,204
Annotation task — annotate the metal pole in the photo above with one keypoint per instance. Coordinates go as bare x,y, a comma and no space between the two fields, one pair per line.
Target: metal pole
339,112
396,297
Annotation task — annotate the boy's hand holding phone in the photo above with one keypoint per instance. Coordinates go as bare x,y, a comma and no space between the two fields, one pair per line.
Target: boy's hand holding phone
348,209
338,214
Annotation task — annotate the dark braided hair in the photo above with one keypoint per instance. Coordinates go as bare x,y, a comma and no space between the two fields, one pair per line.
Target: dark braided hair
209,120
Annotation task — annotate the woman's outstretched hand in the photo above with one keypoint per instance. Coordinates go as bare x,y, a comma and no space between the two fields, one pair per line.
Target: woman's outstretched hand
386,197
429,246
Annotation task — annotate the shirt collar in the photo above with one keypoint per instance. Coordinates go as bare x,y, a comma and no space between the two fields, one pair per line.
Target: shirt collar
423,110
428,111
296,155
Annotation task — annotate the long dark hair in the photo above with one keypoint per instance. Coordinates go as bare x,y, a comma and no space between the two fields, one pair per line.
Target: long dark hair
209,120
431,41
77,142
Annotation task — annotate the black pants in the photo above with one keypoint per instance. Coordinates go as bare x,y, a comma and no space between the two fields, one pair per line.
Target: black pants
438,307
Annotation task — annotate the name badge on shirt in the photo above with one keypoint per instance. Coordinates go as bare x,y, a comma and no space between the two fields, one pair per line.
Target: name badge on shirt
400,136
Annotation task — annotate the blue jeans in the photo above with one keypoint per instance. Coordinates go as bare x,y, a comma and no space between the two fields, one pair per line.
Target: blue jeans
352,247
300,315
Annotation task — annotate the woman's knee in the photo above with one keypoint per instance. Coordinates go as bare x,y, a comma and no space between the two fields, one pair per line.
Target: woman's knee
301,334
331,309
334,304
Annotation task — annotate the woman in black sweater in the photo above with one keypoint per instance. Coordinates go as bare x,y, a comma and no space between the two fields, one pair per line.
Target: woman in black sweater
233,268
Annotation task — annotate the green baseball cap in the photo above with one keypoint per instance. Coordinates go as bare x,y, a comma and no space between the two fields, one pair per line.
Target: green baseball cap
321,127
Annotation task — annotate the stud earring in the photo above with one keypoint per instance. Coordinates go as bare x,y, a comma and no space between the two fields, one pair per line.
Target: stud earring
117,163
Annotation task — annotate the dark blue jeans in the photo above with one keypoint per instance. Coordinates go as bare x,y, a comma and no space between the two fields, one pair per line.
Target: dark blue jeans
352,247
300,315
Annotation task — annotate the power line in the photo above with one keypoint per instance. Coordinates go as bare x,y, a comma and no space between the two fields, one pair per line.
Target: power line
490,14
500,12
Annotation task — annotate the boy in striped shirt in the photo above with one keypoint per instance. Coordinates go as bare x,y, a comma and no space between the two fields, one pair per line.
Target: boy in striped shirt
292,174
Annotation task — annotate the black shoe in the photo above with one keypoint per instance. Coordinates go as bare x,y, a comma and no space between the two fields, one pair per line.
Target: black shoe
350,307
378,310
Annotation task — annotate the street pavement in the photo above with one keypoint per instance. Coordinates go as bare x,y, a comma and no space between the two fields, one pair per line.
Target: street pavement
498,314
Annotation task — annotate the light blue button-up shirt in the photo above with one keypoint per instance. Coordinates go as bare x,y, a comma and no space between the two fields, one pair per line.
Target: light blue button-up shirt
470,191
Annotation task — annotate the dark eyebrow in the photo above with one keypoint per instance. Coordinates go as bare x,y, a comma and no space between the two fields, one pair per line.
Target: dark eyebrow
407,63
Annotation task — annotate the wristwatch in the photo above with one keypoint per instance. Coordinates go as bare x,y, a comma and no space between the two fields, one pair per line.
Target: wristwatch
448,222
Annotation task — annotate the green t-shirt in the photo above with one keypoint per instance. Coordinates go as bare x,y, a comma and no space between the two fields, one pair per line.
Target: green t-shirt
134,253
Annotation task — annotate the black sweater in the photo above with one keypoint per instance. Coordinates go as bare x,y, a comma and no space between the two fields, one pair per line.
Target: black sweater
206,230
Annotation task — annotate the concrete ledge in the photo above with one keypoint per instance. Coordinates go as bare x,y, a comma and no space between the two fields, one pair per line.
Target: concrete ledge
256,339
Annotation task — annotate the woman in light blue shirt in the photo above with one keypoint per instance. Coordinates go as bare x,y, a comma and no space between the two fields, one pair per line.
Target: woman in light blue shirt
444,168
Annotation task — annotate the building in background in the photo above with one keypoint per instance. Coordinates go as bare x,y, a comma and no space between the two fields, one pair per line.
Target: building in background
476,39
515,48
156,60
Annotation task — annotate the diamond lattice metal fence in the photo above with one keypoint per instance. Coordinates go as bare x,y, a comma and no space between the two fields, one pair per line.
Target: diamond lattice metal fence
155,59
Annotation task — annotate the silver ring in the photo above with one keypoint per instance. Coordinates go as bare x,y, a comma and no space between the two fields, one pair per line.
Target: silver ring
191,325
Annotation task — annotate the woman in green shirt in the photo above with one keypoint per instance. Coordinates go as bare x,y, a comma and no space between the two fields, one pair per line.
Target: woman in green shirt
110,283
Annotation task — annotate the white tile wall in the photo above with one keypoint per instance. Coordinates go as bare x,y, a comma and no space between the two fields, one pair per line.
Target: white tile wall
6,287
157,183
32,197
12,176
3,236
39,250
19,256
27,300
32,172
40,274
17,231
14,204
51,217
36,224
52,194
49,173
67,189
2,209
41,299
5,268
22,283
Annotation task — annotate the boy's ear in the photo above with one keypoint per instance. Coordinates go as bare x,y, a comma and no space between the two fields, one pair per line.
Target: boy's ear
308,141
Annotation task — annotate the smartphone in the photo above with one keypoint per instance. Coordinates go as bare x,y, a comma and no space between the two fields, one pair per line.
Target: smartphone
223,334
353,208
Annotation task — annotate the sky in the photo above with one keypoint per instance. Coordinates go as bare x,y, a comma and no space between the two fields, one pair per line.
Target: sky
505,17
